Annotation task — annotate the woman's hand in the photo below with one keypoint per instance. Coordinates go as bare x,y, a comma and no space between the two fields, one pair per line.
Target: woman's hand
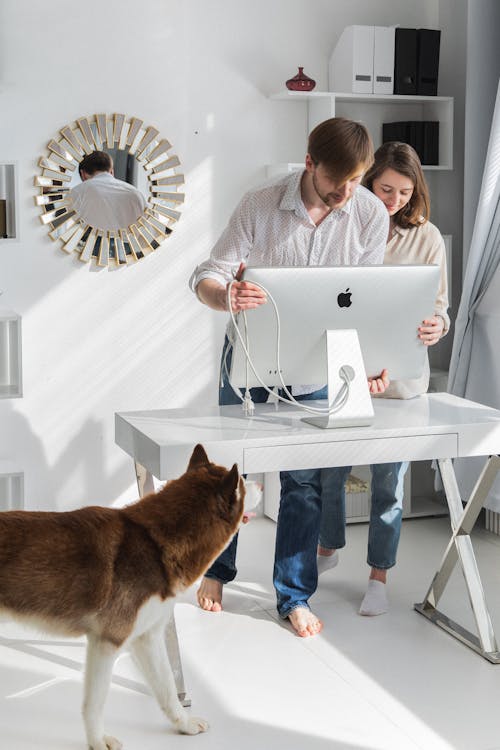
431,330
379,383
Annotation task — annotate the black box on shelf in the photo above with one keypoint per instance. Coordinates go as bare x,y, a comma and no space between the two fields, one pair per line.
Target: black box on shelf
423,135
428,43
405,61
416,61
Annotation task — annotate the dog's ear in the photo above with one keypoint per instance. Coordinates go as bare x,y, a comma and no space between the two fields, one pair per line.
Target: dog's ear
230,482
198,458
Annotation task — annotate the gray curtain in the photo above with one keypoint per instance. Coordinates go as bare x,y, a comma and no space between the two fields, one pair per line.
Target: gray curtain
475,360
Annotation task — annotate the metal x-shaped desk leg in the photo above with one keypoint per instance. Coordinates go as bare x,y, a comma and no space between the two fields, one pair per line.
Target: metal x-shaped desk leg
460,549
145,485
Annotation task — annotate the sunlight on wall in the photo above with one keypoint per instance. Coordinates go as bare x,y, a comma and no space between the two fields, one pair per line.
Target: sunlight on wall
132,338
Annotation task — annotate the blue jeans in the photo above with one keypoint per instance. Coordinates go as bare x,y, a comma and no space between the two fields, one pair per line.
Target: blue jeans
223,569
385,514
295,572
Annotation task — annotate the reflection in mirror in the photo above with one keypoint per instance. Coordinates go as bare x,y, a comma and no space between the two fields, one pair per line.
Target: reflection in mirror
144,172
102,200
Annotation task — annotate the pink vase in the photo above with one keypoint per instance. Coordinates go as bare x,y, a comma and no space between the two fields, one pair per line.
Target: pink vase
301,82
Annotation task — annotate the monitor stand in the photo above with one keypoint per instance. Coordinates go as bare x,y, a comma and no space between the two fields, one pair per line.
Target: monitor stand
345,363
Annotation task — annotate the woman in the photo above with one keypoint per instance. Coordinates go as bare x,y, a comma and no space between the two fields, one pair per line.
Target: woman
396,178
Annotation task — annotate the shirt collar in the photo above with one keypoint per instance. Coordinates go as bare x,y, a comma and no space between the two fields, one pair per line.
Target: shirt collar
292,198
402,231
102,175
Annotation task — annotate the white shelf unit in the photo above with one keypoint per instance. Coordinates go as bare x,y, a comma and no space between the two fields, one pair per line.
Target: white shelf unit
10,355
11,478
373,110
11,487
357,504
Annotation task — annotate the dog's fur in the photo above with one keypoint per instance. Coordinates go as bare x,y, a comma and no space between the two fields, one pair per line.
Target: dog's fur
112,574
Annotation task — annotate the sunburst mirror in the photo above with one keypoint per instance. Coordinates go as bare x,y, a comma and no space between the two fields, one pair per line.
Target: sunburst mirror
144,160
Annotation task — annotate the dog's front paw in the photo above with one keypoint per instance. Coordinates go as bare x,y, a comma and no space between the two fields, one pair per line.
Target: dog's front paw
191,725
107,743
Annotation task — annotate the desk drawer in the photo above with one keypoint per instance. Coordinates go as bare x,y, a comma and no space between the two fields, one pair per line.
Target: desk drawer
349,453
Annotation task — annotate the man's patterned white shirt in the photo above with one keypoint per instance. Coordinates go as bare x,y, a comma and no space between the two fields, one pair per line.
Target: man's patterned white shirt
271,227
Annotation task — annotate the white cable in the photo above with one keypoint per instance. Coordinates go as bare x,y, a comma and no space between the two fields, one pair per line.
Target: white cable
341,397
235,390
247,403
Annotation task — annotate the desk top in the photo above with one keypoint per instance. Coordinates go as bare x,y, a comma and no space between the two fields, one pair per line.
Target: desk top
436,425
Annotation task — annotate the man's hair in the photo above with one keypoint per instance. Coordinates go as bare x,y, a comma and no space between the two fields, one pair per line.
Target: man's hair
402,158
97,161
341,146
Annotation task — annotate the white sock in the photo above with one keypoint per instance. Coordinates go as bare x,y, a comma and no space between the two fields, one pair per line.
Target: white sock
375,600
325,562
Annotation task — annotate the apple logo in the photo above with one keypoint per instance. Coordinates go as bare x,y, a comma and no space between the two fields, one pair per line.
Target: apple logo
344,298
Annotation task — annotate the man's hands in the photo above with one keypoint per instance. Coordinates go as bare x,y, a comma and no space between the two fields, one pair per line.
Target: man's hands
379,383
244,294
431,330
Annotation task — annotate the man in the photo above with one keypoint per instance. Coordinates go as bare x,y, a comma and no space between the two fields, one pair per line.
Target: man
103,201
320,216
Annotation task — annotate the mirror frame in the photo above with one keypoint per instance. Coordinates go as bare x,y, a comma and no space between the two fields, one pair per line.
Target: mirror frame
124,245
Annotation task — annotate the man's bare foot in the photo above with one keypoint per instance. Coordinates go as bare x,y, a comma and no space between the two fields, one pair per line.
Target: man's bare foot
209,595
304,622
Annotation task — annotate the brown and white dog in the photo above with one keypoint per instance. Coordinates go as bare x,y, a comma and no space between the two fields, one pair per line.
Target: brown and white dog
112,574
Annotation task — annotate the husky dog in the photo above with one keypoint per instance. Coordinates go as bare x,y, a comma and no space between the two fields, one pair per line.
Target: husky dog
113,574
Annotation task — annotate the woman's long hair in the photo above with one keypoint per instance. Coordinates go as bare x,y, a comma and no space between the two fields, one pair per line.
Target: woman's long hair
402,158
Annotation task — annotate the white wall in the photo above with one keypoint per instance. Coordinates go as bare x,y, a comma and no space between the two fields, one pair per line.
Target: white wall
99,341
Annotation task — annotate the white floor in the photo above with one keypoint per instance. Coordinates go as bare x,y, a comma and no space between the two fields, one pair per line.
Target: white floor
394,682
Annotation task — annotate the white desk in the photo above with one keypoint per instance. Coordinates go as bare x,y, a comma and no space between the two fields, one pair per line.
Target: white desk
436,426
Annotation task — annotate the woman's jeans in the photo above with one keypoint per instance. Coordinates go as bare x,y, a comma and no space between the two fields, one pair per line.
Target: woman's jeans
295,570
387,489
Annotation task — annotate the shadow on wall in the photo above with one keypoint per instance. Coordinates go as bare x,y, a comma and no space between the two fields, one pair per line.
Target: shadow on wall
151,348
82,462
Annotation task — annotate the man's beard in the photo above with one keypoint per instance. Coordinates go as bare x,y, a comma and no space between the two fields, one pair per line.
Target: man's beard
328,198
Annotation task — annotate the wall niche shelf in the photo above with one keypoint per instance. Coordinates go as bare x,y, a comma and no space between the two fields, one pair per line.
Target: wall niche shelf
11,478
373,110
8,202
11,487
10,355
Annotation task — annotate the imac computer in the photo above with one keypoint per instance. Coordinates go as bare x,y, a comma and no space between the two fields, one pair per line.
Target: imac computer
286,339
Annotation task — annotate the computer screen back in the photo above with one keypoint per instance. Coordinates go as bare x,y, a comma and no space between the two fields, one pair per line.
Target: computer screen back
385,304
